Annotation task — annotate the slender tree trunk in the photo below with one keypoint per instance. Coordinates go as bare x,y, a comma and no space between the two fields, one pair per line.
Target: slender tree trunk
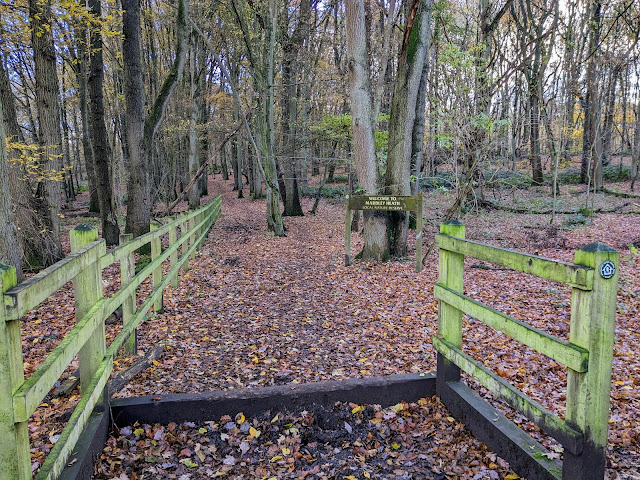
100,143
274,216
193,163
417,135
35,239
401,123
387,30
608,119
47,102
290,64
589,159
10,250
635,158
138,190
534,139
141,131
375,238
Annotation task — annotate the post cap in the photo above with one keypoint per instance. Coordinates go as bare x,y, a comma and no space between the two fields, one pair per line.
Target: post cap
597,247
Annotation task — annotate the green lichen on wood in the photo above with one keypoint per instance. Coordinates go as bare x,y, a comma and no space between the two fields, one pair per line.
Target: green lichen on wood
552,424
578,276
574,357
592,326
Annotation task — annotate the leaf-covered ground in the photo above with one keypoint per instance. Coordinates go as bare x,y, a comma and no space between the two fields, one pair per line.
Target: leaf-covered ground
254,310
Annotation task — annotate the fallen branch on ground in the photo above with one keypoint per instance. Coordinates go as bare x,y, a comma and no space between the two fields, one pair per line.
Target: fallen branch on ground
119,381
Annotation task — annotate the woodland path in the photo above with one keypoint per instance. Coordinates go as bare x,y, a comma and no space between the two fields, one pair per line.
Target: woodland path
255,310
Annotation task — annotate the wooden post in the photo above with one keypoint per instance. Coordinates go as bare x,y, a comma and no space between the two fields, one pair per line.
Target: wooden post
127,272
173,258
347,233
419,232
184,230
15,461
193,237
156,250
593,316
451,275
87,290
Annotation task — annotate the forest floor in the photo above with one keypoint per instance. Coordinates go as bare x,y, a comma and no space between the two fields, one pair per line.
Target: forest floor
255,310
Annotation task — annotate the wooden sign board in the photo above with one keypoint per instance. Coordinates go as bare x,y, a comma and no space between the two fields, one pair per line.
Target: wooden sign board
389,203
385,203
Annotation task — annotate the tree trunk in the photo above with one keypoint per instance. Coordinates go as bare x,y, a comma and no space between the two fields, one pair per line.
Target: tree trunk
401,122
635,159
534,138
590,106
47,102
138,191
35,239
417,135
100,143
10,251
291,48
274,216
193,163
141,131
608,119
375,238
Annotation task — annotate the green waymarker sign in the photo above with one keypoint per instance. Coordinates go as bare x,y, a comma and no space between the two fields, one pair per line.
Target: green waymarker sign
385,203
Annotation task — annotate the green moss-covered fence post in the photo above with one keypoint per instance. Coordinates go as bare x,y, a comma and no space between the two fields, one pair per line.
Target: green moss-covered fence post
593,315
87,290
451,270
15,462
173,258
194,236
156,250
127,271
185,245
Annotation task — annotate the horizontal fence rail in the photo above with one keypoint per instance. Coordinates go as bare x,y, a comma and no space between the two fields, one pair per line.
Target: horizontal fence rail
588,354
20,397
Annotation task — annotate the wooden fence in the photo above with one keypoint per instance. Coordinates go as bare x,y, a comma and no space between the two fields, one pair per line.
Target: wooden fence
588,354
20,397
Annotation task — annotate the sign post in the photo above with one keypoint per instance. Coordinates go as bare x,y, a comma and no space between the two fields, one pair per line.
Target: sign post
387,203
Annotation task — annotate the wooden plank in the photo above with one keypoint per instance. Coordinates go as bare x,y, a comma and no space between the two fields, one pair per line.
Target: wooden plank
30,293
526,457
128,329
577,276
572,356
60,453
34,389
120,252
30,394
571,438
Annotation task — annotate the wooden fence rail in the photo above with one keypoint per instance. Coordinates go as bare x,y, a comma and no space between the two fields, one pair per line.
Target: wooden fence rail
20,397
588,354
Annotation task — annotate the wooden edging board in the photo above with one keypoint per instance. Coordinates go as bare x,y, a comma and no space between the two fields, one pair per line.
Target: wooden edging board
385,203
493,428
